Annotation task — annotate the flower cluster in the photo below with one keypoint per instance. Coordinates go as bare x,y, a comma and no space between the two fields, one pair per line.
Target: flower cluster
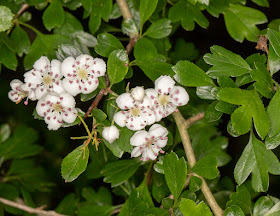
141,107
55,84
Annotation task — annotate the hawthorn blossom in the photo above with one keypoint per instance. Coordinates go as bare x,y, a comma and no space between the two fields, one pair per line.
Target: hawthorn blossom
81,74
44,77
166,97
149,144
57,109
20,91
111,133
136,111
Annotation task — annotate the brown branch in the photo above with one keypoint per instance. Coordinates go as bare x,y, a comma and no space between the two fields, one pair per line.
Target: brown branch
29,209
182,125
24,6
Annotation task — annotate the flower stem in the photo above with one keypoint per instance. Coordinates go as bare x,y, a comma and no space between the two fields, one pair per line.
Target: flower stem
183,125
30,27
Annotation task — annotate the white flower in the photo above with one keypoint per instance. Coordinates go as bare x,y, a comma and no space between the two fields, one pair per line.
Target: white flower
81,74
138,93
166,96
20,91
110,133
149,144
44,77
136,114
57,109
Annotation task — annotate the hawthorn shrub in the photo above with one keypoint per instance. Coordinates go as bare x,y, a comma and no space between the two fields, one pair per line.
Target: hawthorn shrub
118,108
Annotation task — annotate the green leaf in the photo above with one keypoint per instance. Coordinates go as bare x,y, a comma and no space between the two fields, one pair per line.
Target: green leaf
145,50
189,208
53,16
68,205
252,107
117,66
206,167
195,183
147,7
6,18
86,209
99,115
75,163
211,113
20,37
159,187
70,25
206,2
188,14
124,140
264,84
159,29
262,206
207,92
8,57
241,198
274,211
233,210
241,22
225,107
5,132
259,161
107,43
184,51
102,197
43,45
273,114
129,27
167,203
274,50
66,50
118,172
114,148
263,3
175,172
188,74
225,63
21,144
272,142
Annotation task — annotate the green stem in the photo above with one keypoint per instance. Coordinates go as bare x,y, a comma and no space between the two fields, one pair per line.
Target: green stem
148,171
30,27
125,190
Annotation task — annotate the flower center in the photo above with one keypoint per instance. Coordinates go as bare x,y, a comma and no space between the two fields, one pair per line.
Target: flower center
135,111
163,100
57,107
47,80
82,73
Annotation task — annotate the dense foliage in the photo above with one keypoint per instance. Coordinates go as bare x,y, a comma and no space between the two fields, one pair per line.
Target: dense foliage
208,143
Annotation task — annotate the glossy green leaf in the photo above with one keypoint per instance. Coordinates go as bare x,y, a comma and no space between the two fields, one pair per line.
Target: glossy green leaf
117,66
147,7
99,115
272,142
233,210
8,57
167,203
207,92
262,206
195,183
159,187
188,14
107,43
175,172
264,82
6,18
114,148
252,107
241,22
53,16
211,113
225,63
206,167
129,27
274,50
189,208
145,50
243,80
124,140
273,114
225,107
188,74
259,161
75,163
66,50
118,172
5,132
241,198
159,29
20,37
263,3
70,25
274,211
206,2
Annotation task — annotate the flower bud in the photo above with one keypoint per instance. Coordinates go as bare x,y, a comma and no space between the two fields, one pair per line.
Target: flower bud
138,93
110,133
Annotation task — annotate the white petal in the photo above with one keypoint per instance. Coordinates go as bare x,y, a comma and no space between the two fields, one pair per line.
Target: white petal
151,155
67,66
67,100
54,120
52,97
13,96
180,97
136,123
42,64
33,77
161,142
41,108
71,86
136,152
149,116
164,84
168,110
40,92
138,93
89,85
120,118
56,69
15,83
147,102
139,138
125,101
84,59
57,87
110,133
69,116
99,67
158,131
